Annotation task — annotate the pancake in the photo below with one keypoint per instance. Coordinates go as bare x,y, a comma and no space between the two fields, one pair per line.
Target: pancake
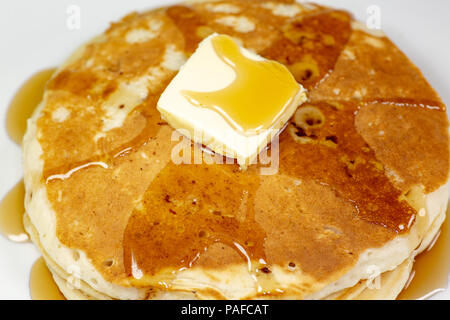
364,191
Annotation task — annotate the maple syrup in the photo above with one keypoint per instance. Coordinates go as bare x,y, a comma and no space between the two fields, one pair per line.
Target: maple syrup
42,285
24,102
431,268
11,214
260,93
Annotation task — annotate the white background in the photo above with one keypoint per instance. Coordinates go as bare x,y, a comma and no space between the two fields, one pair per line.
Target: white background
34,35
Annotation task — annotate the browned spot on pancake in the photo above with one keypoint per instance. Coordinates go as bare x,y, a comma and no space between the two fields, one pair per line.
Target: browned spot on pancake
187,210
310,45
329,204
72,143
411,141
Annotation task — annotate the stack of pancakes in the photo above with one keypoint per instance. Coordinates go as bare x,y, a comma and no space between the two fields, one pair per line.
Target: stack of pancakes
360,189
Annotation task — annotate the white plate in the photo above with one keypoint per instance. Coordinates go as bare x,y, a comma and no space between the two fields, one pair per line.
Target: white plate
35,35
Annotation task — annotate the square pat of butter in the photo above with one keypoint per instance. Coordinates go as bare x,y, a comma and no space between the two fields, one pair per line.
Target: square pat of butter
230,99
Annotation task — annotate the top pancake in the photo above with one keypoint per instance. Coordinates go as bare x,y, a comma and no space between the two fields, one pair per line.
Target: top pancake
105,154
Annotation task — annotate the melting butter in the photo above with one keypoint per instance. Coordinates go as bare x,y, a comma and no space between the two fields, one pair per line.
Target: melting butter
258,96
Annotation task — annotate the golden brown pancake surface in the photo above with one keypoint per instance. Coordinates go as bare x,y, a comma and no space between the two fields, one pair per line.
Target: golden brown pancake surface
338,188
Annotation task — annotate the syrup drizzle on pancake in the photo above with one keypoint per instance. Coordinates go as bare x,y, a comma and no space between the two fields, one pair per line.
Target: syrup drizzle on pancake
233,225
431,268
191,215
24,102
